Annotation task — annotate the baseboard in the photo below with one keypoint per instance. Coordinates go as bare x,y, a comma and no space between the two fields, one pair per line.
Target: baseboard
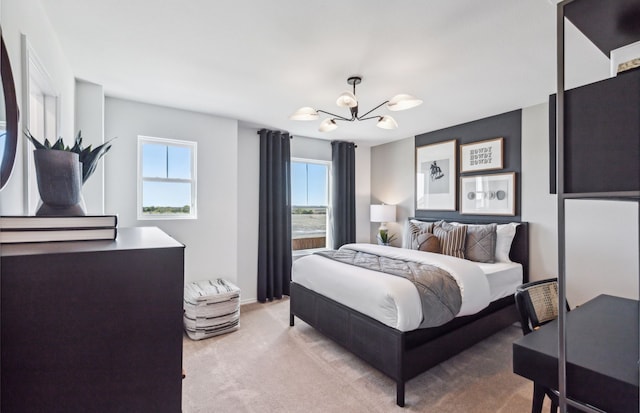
248,301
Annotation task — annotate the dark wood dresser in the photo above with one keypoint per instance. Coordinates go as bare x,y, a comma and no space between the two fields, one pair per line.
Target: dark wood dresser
93,326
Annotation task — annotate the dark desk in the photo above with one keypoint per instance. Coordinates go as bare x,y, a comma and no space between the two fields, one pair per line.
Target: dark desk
602,354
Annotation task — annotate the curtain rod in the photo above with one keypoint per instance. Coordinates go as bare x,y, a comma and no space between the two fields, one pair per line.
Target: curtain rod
291,137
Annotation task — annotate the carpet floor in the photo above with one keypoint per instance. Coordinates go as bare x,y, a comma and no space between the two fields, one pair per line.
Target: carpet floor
267,366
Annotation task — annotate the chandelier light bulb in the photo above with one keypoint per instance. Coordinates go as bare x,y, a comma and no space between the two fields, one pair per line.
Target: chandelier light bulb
328,125
403,102
387,122
347,100
304,113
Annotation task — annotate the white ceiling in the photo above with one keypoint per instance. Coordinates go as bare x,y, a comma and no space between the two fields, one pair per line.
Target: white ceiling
258,61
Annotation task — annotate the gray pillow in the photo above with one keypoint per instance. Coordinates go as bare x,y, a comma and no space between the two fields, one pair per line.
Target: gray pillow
481,243
413,230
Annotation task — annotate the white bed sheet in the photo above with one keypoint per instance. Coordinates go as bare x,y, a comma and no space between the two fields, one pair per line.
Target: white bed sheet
392,300
503,278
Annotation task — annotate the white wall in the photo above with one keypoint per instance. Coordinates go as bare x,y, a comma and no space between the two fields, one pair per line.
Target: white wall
211,240
601,249
392,169
248,212
309,148
539,207
28,17
363,192
89,118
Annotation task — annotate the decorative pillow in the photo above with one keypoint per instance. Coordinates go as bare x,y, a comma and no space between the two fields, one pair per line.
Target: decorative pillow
428,242
504,238
412,230
481,243
451,237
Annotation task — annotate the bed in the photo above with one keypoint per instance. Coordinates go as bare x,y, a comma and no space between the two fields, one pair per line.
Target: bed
401,350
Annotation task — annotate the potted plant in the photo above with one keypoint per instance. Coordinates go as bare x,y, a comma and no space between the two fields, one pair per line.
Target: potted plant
384,238
61,171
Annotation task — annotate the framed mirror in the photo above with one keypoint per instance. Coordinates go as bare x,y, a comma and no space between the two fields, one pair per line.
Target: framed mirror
8,118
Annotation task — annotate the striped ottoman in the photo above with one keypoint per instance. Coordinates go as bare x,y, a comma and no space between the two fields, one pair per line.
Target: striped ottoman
211,308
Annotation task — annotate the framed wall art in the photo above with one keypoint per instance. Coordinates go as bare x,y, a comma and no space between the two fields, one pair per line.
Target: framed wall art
482,155
488,194
436,176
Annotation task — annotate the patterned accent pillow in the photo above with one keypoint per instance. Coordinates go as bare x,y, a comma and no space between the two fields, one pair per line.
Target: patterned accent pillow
451,237
415,229
481,243
428,242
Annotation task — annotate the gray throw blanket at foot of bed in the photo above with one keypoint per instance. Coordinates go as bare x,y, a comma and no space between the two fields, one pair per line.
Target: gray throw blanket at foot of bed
439,292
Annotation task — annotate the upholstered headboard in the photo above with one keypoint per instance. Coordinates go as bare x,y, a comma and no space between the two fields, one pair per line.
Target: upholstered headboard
519,247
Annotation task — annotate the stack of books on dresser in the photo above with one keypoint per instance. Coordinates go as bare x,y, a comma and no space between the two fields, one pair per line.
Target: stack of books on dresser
23,229
211,307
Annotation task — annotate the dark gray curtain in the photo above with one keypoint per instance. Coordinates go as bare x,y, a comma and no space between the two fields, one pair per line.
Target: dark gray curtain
274,240
343,194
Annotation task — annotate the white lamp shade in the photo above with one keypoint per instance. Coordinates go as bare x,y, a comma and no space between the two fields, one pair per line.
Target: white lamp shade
347,100
327,125
387,122
304,113
402,102
383,213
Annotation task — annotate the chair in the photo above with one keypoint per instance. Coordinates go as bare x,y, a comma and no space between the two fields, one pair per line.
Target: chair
537,303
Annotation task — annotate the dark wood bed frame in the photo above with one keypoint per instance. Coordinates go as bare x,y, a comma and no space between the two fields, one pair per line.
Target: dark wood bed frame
404,355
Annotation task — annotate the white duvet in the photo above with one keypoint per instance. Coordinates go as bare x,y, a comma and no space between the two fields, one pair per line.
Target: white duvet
390,299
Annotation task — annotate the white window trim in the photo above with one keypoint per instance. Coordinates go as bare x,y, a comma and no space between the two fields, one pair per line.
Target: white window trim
194,181
329,234
35,74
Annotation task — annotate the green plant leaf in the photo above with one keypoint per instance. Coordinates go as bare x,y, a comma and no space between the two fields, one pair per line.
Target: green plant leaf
58,145
90,158
77,147
33,140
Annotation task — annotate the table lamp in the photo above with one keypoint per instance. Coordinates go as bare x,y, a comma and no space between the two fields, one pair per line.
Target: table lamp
383,214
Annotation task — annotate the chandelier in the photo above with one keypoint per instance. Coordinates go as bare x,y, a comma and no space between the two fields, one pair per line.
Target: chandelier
349,100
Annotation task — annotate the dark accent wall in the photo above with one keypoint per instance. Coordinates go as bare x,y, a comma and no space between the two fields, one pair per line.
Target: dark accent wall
507,125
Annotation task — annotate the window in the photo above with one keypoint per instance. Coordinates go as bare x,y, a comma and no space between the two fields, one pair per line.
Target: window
166,178
309,204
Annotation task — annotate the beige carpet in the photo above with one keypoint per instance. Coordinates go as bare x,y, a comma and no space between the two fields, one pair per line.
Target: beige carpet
267,366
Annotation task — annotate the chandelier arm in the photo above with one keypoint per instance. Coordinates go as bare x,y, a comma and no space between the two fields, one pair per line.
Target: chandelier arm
338,117
370,117
363,116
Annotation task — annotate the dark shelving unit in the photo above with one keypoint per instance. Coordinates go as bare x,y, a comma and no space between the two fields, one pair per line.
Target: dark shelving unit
610,104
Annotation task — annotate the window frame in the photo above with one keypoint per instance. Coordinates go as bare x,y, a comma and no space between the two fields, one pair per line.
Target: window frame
328,235
193,146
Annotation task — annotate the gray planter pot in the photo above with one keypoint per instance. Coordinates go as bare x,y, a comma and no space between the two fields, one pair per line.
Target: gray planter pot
59,175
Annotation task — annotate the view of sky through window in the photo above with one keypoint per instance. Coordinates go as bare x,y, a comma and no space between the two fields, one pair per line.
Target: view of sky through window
309,184
309,201
170,162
